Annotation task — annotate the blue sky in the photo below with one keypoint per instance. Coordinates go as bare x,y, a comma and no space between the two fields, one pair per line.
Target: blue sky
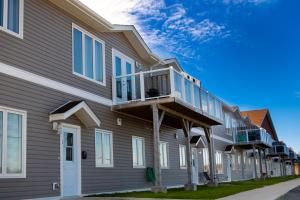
247,52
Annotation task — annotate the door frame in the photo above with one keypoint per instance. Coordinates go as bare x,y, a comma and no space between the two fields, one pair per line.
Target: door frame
124,58
78,133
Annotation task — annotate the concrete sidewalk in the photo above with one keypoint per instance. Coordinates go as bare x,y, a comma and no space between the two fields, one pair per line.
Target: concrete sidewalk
271,192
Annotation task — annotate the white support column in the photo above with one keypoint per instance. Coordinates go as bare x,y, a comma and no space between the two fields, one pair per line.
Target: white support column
156,142
142,86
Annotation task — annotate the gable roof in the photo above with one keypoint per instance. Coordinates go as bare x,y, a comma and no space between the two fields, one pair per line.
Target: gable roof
91,18
262,118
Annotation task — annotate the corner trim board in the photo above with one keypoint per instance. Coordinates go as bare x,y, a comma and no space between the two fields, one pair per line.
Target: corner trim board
46,82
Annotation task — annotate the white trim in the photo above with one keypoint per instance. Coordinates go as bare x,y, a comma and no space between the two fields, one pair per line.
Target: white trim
78,132
43,81
4,28
66,115
101,131
144,157
94,39
22,113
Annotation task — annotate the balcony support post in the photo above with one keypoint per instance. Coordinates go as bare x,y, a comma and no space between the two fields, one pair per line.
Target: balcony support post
266,164
260,163
254,161
243,164
157,120
211,154
187,126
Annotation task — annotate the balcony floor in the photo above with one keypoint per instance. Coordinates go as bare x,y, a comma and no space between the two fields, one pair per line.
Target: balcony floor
249,145
178,108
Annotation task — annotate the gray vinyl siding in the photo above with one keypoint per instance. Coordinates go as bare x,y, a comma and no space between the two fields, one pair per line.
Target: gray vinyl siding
47,47
43,166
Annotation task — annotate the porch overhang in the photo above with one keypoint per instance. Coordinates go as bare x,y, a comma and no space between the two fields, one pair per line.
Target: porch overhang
78,108
175,109
249,145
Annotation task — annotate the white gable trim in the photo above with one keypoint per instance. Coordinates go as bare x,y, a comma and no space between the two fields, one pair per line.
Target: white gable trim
66,115
46,82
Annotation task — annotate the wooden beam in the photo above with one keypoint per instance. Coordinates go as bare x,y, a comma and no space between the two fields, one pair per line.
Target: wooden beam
254,161
182,116
207,135
161,118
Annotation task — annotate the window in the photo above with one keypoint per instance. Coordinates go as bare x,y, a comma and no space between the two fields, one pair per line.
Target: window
219,162
239,161
233,161
11,17
138,152
88,56
182,156
164,155
12,143
205,160
103,148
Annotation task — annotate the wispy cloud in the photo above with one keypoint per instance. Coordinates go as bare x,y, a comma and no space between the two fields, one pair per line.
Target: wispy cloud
168,30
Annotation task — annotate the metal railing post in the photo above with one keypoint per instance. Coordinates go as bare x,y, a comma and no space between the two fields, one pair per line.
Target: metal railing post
172,82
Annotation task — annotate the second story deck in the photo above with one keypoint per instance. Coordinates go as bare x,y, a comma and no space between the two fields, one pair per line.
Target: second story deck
176,91
249,137
278,149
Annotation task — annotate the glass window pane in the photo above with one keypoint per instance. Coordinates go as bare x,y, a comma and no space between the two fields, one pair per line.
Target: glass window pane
99,61
134,151
1,12
99,159
178,89
77,50
204,101
118,72
188,95
14,143
69,154
211,104
197,96
13,15
89,71
106,149
1,139
129,81
140,153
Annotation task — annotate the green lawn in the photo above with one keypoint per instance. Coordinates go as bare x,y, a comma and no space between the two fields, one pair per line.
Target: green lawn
205,192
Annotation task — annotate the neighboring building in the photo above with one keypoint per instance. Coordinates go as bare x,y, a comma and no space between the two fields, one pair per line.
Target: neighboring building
86,107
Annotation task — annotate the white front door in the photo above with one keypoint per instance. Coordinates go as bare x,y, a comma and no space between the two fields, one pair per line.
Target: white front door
228,167
71,161
125,85
195,170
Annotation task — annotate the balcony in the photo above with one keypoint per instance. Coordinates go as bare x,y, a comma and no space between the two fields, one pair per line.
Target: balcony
292,155
278,149
248,138
134,93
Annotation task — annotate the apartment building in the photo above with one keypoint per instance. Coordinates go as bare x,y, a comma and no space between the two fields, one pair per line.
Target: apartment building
86,108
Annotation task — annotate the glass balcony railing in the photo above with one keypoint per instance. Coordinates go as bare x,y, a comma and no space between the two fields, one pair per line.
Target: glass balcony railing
278,148
293,155
167,82
251,136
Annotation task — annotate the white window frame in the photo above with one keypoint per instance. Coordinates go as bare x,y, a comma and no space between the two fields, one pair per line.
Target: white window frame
94,38
134,138
21,19
5,111
219,158
167,153
101,131
180,157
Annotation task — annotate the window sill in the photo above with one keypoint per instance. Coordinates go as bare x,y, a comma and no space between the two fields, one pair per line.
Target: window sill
139,167
90,79
12,176
17,35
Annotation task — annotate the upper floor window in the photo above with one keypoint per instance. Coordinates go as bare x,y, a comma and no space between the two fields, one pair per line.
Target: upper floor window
88,56
12,143
11,17
104,148
164,155
138,152
182,156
